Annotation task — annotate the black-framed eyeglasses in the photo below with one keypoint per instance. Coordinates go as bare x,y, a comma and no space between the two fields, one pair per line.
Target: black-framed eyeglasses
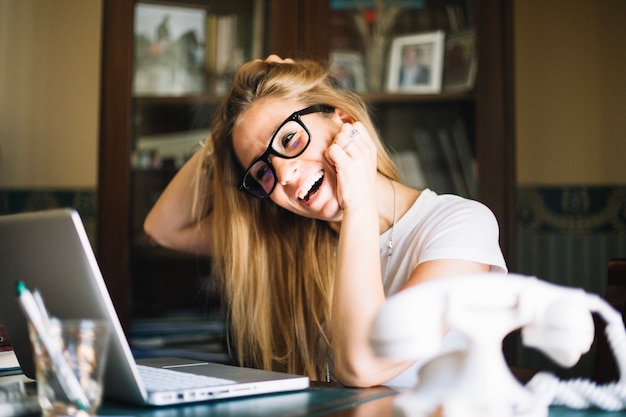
289,141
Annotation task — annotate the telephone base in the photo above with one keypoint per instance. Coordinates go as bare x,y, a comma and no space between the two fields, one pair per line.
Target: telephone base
449,387
484,308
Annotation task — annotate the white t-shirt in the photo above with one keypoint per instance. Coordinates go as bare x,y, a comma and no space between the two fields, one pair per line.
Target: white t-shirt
439,227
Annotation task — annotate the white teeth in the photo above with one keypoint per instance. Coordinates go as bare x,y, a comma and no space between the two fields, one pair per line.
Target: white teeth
310,182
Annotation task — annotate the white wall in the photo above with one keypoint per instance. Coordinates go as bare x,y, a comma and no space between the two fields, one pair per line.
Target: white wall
49,92
571,91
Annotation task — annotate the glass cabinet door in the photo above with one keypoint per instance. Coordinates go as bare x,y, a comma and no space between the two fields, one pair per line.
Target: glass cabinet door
185,54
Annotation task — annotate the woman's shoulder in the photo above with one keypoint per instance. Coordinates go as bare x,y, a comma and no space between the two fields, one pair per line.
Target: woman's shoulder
435,214
444,205
450,226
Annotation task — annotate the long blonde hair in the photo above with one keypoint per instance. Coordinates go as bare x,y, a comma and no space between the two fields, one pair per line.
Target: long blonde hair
276,268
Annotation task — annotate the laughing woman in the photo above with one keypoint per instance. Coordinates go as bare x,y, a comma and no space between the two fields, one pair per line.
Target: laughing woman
296,200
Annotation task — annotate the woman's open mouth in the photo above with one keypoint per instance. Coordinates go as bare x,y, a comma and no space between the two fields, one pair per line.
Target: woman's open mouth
311,186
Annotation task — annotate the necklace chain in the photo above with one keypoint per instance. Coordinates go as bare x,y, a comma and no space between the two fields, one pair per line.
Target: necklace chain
390,243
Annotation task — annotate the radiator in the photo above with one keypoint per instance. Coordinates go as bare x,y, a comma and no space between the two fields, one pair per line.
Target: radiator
566,235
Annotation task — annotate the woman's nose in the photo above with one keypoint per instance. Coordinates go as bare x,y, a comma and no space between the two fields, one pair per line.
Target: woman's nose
285,169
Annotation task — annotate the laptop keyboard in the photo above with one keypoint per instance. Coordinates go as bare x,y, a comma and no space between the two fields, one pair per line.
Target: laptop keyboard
161,379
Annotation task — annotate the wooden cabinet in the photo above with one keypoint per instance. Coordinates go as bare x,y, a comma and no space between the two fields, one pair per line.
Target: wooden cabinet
156,105
143,279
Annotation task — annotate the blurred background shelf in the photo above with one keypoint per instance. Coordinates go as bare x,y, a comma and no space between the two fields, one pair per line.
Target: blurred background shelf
148,282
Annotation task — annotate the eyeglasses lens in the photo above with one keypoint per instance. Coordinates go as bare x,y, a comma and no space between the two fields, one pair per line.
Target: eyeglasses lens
260,179
289,141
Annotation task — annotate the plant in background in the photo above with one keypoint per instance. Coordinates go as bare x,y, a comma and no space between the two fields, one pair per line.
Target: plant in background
374,26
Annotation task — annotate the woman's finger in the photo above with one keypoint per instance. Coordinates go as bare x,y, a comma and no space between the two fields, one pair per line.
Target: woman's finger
354,134
276,58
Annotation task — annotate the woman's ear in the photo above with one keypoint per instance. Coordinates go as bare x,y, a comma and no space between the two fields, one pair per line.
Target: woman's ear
343,116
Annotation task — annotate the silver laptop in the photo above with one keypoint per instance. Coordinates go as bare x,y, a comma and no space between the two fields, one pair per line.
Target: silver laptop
50,252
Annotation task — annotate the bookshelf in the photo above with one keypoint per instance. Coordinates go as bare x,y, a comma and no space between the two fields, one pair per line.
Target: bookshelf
487,110
149,281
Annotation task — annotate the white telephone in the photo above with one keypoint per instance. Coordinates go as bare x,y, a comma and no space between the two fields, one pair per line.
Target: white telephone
475,380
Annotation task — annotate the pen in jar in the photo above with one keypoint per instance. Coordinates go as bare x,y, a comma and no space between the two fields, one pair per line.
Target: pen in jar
38,318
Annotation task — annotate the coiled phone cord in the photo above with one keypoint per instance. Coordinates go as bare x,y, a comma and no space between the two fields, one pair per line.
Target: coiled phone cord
582,393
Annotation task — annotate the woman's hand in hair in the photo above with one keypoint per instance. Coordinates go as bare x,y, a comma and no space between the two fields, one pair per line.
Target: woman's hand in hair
275,58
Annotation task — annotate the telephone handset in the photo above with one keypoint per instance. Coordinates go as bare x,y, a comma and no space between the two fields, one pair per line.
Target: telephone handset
475,380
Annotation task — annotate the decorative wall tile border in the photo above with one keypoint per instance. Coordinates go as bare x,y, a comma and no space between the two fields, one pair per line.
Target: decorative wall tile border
567,209
571,209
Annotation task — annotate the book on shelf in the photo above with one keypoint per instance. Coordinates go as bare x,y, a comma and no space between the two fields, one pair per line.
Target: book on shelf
8,361
210,43
151,150
258,29
226,33
459,17
446,159
5,344
224,50
433,161
453,162
466,158
9,364
409,168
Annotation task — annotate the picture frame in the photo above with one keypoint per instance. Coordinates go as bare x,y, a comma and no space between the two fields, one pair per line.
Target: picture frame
169,52
460,63
348,70
416,63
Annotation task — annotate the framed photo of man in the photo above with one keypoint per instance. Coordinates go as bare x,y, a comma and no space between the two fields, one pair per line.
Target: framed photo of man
415,64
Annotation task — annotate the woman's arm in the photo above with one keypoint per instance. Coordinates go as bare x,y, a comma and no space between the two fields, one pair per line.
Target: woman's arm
355,362
170,222
358,293
444,268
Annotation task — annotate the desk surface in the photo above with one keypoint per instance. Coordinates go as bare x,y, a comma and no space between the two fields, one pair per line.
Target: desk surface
320,400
